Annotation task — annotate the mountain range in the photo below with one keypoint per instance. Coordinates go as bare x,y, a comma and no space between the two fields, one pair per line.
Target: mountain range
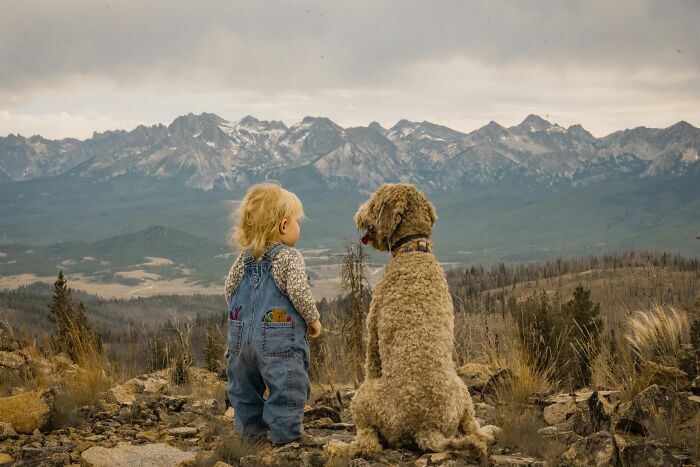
209,153
531,191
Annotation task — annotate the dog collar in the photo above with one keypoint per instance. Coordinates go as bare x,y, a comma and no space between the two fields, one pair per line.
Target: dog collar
423,246
406,239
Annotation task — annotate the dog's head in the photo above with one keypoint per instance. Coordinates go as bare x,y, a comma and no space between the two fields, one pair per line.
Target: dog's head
394,211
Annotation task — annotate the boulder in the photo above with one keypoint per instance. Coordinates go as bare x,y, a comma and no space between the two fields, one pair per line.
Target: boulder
475,375
11,360
669,376
656,403
145,455
7,431
499,460
320,412
598,449
559,412
125,394
650,453
28,411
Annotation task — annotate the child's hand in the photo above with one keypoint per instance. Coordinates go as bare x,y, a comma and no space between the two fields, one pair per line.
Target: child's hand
315,329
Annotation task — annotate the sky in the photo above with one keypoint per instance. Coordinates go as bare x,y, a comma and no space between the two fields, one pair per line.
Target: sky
70,68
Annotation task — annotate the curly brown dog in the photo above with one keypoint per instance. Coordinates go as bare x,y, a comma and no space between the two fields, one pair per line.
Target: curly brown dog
412,393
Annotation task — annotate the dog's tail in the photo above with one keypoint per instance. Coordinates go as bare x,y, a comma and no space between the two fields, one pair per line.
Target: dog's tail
437,442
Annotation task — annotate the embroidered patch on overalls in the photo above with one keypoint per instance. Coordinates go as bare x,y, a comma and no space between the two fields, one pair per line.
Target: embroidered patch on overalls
277,315
231,315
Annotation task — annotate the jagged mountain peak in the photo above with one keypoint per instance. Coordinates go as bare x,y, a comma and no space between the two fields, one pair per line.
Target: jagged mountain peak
533,122
376,126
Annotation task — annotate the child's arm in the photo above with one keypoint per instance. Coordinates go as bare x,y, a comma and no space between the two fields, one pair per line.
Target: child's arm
290,274
234,277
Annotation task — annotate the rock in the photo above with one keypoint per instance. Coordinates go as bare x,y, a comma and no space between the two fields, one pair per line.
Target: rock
548,431
127,455
486,412
125,394
666,376
28,411
335,448
502,460
6,431
183,431
559,412
12,360
649,453
321,412
95,438
656,403
229,413
600,410
597,450
6,459
222,464
449,458
475,375
695,386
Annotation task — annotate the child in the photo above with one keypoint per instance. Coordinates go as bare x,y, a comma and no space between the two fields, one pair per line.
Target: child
270,307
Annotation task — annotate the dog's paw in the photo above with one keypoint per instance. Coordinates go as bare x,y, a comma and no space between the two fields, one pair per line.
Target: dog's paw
489,433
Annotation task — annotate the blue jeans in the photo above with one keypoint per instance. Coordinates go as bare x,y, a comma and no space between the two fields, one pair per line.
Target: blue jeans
266,354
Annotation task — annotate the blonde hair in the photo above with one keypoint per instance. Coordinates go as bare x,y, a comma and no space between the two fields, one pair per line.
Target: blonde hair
259,215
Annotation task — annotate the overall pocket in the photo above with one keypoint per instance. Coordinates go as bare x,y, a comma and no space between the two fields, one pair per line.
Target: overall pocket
234,338
277,339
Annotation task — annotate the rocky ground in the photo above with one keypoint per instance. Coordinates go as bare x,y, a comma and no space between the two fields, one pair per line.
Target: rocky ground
147,421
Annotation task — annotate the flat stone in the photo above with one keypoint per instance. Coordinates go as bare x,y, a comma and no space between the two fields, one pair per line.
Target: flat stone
28,411
183,431
502,460
6,459
321,412
95,438
145,455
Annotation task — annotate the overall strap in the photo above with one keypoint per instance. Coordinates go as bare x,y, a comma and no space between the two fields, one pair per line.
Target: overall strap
275,249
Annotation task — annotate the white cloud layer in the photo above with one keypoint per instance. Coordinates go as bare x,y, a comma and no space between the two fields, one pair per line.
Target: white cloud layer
71,67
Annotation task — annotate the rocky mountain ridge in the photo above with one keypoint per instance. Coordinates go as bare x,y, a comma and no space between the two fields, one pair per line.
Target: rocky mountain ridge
212,153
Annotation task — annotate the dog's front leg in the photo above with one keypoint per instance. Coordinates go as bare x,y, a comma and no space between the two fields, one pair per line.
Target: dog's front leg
373,365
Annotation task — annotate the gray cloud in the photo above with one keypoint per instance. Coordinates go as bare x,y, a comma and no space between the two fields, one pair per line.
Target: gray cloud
264,49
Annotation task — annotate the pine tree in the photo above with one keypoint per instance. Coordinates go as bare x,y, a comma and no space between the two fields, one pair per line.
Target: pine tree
72,334
60,312
585,330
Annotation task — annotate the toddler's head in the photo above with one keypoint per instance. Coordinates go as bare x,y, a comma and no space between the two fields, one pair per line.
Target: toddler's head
260,214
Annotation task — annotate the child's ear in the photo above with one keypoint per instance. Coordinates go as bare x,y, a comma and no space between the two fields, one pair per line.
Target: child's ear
283,226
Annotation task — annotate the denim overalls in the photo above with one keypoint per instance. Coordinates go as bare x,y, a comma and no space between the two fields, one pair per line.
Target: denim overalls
266,354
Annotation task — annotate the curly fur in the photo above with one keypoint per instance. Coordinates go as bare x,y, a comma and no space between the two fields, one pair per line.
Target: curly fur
412,393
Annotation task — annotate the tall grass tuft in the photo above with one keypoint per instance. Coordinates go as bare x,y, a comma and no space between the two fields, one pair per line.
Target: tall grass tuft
657,335
622,363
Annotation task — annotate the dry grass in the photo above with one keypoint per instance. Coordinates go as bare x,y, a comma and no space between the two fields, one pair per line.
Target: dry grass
519,427
526,380
233,448
656,335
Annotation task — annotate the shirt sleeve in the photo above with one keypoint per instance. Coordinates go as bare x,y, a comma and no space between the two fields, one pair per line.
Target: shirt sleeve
234,277
289,271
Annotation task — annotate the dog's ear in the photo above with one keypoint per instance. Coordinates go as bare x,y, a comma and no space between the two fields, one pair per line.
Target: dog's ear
391,212
432,213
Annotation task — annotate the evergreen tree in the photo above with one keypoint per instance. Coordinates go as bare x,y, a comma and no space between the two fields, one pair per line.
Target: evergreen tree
72,334
585,330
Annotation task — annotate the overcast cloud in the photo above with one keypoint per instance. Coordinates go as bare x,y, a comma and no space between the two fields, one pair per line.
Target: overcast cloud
68,68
